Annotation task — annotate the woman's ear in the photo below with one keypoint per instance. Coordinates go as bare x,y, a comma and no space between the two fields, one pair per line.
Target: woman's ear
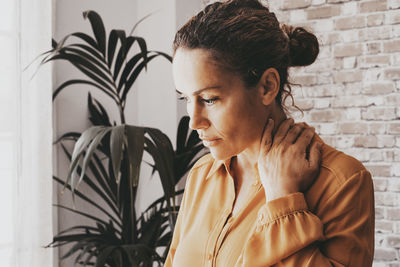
268,86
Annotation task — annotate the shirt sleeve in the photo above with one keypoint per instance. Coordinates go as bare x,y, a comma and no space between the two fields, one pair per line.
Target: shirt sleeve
287,233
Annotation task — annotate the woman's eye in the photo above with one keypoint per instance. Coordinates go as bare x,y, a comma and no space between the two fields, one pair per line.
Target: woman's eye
210,101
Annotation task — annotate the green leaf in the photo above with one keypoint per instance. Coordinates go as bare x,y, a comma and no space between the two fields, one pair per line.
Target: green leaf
135,147
103,256
88,156
116,146
78,81
139,21
123,50
68,136
112,43
87,57
132,78
88,65
93,203
78,227
98,29
97,113
181,137
80,146
76,62
97,54
127,70
87,38
166,180
98,173
143,49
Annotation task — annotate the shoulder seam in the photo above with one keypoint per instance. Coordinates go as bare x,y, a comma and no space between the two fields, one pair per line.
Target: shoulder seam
339,178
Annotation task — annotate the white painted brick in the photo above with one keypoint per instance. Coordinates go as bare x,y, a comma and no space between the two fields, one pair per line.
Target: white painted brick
325,53
396,152
350,8
375,100
396,169
318,2
388,155
392,17
394,185
366,141
353,114
349,62
327,38
297,16
386,141
354,89
378,113
379,88
377,128
386,199
350,36
379,264
393,4
372,48
344,141
395,32
324,25
380,184
395,59
398,141
373,74
328,128
375,33
322,103
349,101
324,78
392,100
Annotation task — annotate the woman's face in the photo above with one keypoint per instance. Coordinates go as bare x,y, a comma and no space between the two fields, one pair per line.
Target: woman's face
228,117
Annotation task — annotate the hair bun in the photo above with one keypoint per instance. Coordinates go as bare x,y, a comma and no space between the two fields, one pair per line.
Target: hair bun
303,46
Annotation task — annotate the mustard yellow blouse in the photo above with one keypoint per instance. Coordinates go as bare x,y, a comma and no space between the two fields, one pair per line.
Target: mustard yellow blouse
332,224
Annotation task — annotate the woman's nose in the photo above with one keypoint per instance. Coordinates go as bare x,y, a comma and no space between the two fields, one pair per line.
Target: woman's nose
198,120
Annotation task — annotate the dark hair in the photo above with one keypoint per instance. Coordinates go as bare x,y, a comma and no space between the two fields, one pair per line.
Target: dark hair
246,38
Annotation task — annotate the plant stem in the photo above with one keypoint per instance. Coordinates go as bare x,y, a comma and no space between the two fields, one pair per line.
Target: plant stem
121,112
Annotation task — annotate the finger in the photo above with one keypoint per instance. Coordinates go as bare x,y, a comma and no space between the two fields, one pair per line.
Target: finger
282,131
266,140
293,133
305,138
315,155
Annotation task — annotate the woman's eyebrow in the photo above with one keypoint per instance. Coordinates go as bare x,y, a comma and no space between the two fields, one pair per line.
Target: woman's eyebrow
200,90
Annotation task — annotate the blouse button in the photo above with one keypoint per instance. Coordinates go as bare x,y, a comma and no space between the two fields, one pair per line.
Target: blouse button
210,257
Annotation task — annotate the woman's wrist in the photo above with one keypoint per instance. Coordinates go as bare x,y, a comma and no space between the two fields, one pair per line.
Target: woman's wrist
278,193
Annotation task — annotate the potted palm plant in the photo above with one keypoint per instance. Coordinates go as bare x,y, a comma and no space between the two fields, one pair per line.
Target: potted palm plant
107,157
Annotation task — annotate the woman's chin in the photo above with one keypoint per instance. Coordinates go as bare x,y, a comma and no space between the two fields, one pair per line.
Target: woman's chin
217,154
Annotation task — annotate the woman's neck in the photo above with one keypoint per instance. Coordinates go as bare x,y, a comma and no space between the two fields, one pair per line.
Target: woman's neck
245,163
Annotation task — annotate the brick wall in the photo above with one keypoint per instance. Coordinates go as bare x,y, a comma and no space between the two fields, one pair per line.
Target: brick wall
351,94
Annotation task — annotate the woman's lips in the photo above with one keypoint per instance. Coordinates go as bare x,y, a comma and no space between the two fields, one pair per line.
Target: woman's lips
211,142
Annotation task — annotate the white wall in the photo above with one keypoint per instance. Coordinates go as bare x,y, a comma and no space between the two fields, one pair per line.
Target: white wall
152,101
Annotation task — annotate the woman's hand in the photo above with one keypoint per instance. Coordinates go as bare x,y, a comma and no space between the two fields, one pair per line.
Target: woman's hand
284,164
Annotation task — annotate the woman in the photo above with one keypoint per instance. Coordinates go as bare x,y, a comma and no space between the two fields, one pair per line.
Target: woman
271,193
